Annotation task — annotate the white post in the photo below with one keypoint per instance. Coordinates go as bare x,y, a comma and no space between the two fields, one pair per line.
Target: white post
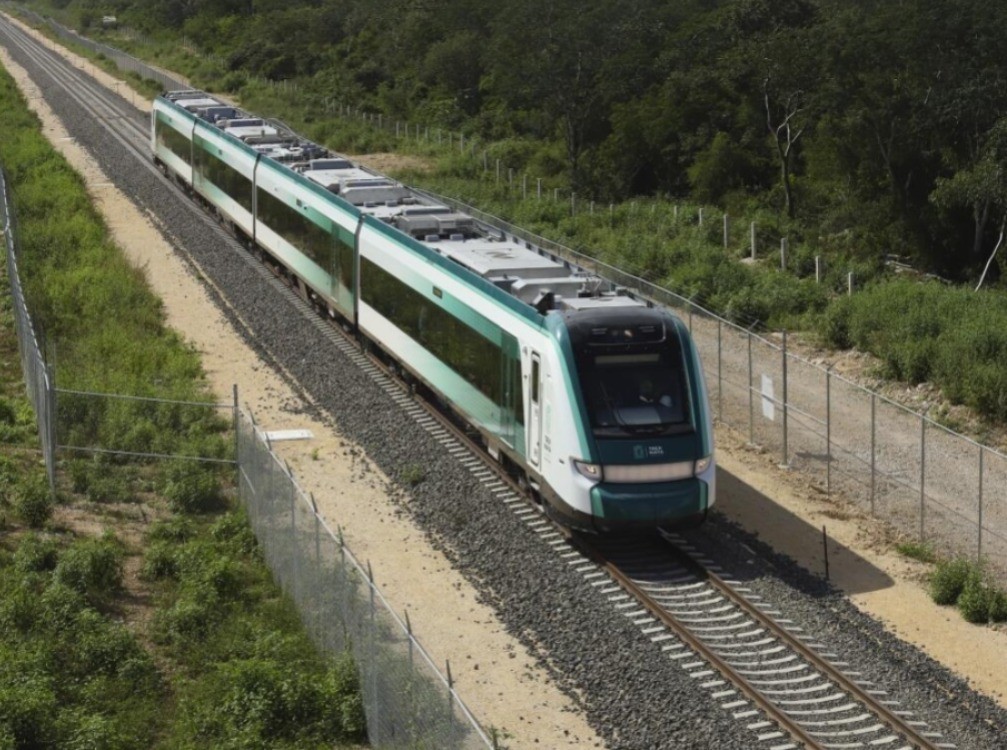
727,230
849,283
783,253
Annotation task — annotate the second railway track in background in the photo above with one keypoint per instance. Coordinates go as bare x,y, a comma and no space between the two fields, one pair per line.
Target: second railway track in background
782,685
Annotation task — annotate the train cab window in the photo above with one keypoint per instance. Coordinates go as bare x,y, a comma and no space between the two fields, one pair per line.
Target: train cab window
642,390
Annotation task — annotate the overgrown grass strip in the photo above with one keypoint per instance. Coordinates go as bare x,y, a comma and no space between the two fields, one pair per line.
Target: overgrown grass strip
200,649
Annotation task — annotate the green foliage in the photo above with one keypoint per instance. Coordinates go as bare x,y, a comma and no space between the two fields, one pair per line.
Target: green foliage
100,481
159,562
174,529
413,474
93,567
28,709
191,488
998,606
33,499
948,580
263,702
36,554
924,331
234,534
974,600
917,551
69,676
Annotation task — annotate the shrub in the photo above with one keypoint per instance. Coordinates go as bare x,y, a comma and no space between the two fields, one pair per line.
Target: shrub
61,605
263,702
159,562
948,580
998,606
191,618
100,482
33,500
19,609
28,709
93,567
974,600
178,529
35,554
190,488
233,531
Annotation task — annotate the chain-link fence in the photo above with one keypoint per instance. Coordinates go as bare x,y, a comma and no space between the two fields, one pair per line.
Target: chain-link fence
408,702
38,375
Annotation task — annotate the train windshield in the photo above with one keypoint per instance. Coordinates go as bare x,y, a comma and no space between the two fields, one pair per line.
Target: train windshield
636,391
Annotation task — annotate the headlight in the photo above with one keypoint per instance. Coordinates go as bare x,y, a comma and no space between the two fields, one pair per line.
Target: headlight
703,464
591,471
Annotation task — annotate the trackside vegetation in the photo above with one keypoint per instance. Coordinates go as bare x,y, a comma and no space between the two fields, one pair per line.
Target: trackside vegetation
966,585
135,609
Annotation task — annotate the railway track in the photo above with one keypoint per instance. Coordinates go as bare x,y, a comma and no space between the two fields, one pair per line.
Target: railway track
785,683
781,684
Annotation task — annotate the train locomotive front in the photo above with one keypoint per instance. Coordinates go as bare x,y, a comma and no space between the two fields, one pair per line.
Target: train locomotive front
643,413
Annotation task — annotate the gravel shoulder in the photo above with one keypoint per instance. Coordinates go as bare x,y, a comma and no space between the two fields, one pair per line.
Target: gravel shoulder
496,671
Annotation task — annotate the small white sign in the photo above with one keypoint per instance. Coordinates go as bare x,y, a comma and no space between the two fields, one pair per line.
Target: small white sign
768,406
275,435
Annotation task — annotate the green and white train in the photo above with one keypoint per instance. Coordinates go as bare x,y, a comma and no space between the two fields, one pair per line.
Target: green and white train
594,399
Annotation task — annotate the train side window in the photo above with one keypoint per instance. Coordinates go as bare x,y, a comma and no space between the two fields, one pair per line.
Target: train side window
534,380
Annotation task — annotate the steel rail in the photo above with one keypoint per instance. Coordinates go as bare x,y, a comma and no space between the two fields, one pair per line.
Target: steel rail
896,723
772,711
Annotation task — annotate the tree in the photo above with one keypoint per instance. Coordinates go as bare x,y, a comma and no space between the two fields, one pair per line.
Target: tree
982,187
783,112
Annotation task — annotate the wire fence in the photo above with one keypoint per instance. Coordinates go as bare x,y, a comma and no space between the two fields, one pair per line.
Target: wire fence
38,375
408,701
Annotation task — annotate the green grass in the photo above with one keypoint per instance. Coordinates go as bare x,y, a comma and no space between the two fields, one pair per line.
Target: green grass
917,551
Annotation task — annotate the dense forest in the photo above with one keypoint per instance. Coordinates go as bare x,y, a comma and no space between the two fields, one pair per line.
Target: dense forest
878,126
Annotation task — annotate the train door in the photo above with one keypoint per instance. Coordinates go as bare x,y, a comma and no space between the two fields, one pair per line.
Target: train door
535,411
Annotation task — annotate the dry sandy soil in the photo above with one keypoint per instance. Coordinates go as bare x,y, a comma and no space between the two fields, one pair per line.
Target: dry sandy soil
496,676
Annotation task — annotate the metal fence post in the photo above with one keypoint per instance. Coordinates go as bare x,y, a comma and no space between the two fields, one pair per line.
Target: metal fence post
237,432
923,476
720,370
979,552
751,395
786,446
828,432
874,400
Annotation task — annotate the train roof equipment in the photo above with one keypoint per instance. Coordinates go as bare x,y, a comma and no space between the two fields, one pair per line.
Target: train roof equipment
517,267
